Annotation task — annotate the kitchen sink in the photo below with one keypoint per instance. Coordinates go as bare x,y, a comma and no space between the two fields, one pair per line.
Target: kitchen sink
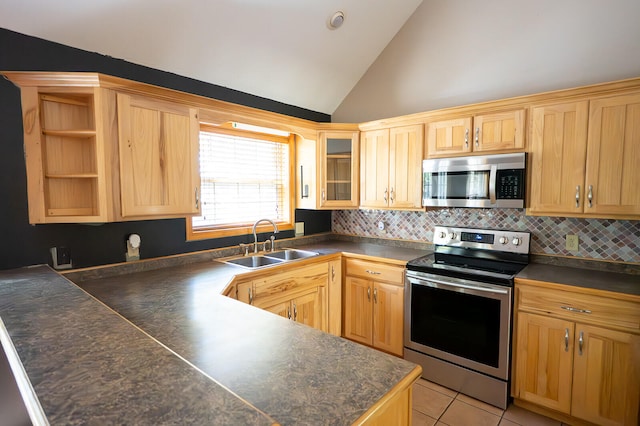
291,254
254,261
270,258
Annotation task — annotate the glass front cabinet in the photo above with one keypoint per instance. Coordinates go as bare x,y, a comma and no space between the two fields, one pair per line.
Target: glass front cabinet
328,170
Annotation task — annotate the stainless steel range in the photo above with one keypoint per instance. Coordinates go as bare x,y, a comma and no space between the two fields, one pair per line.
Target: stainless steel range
458,310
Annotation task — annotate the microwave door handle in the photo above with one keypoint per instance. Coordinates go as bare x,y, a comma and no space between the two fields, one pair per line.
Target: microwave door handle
492,183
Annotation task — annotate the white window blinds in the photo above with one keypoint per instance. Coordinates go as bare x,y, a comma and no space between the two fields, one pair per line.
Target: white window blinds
242,180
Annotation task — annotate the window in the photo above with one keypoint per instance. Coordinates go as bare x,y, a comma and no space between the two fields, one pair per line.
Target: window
245,176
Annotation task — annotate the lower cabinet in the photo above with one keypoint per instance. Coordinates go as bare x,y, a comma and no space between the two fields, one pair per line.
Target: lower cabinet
374,304
298,293
570,359
305,308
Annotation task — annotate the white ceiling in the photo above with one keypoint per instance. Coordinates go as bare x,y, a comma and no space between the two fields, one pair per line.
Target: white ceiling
277,49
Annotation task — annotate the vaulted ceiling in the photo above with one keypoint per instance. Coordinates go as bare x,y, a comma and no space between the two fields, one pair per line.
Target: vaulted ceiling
278,49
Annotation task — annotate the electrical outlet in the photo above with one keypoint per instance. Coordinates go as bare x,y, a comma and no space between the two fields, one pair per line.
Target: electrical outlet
572,242
61,257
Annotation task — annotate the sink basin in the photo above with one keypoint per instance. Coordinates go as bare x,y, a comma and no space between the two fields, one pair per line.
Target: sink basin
291,254
254,261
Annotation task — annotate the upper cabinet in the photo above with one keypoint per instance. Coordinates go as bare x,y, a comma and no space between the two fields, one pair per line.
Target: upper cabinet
584,157
158,145
391,164
94,154
613,156
327,170
67,164
491,132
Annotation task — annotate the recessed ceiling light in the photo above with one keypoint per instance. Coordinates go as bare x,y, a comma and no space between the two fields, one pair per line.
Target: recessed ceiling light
336,20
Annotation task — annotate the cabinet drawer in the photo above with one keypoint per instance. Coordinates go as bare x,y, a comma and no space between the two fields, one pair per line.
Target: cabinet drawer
584,308
375,271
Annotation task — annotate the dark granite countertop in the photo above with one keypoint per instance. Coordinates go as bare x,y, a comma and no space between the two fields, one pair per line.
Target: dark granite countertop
585,278
295,374
188,355
88,365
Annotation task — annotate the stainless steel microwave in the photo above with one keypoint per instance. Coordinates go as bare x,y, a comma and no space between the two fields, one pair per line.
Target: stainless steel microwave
485,181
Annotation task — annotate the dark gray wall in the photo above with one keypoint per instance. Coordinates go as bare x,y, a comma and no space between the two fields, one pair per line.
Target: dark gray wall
22,244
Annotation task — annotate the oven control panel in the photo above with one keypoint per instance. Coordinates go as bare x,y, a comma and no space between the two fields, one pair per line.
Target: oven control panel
488,239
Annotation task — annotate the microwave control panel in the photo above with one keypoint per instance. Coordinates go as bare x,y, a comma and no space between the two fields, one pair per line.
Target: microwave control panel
510,184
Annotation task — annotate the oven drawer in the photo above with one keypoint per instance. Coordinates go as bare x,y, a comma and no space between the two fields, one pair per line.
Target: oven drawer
577,306
375,271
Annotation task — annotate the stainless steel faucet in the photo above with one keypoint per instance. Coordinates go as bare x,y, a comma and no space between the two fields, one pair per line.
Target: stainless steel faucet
255,237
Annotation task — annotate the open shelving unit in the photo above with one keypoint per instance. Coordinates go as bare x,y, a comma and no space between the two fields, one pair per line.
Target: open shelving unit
69,154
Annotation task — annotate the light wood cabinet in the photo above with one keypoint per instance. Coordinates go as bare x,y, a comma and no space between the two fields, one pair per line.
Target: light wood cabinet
495,132
298,293
334,307
328,169
578,354
68,168
391,165
94,154
558,150
613,156
585,156
374,304
159,146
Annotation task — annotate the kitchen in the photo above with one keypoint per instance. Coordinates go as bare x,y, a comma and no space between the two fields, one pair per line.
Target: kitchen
30,244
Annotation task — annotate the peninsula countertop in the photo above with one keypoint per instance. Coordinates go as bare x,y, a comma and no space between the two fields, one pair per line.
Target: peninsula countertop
180,350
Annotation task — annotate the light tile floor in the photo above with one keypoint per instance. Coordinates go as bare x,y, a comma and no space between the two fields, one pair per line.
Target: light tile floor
439,406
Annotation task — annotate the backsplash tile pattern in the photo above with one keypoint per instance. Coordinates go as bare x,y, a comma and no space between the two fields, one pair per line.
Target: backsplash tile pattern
600,239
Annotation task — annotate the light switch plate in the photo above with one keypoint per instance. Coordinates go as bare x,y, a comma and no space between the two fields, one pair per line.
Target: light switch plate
299,229
572,242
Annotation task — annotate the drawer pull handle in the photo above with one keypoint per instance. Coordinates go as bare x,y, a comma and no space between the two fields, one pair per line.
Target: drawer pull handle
578,310
580,342
372,272
566,340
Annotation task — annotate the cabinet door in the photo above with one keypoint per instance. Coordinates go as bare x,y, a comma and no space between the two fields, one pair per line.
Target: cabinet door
405,167
159,171
308,309
334,308
244,291
282,308
544,361
500,131
613,156
606,376
388,317
374,172
448,137
558,151
338,169
358,310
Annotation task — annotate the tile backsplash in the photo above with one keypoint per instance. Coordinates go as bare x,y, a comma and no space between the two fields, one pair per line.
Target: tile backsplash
600,239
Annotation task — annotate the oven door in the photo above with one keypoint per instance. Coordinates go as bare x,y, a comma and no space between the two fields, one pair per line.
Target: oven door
464,322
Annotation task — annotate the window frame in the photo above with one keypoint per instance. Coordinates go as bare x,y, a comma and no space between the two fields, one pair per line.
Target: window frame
229,230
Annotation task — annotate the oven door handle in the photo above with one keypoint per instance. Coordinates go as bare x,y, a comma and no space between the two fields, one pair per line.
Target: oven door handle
430,282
